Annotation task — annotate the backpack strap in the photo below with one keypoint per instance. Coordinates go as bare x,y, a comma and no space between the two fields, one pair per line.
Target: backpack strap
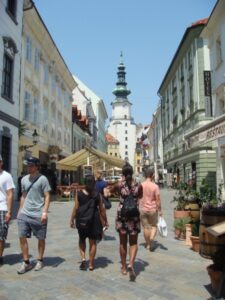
36,179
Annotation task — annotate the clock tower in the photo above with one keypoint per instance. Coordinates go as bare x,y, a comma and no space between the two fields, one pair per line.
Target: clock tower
122,125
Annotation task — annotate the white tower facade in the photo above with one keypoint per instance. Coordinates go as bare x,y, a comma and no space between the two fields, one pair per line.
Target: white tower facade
122,125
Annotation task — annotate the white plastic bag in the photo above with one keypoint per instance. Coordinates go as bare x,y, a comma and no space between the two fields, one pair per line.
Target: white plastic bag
162,228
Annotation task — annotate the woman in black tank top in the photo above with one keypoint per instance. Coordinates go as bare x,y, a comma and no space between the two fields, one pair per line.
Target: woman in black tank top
88,202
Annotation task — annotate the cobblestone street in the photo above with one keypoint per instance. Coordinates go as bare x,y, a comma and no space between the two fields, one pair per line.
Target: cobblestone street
173,271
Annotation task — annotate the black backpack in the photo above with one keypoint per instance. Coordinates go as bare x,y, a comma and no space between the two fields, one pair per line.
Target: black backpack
130,207
85,215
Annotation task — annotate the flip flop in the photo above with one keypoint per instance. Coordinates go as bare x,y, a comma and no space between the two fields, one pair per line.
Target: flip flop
131,273
123,271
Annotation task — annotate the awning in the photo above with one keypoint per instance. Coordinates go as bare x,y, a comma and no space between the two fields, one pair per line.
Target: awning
94,156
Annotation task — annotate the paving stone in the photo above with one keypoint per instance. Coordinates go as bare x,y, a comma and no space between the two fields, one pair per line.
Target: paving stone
173,271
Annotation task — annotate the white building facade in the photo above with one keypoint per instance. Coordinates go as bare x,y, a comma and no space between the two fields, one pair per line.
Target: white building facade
11,13
99,112
214,33
46,93
122,125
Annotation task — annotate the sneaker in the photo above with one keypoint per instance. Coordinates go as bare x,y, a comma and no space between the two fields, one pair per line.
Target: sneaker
83,265
1,261
39,265
24,268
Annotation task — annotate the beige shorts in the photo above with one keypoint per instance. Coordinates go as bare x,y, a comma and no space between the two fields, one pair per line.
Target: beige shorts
149,218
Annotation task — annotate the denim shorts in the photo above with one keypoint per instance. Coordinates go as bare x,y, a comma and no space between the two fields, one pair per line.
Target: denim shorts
28,225
149,218
3,226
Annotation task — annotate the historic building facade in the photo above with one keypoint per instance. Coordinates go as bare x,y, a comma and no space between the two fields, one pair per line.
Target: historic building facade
184,108
100,115
214,33
122,125
45,95
11,13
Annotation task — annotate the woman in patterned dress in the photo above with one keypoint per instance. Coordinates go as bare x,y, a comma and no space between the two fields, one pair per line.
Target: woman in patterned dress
128,229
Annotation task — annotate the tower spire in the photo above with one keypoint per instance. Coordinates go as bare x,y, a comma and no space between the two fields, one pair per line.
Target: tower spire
121,92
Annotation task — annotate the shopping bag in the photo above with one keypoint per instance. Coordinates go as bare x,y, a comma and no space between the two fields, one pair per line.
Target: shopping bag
162,228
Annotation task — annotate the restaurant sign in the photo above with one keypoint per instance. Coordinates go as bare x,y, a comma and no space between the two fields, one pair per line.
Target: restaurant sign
208,135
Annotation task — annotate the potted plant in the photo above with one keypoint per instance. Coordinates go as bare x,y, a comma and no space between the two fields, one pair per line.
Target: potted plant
212,212
195,242
180,199
179,225
216,272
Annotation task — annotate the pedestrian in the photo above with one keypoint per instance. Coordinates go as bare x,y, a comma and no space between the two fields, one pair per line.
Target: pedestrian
127,227
86,217
150,208
19,187
33,213
100,186
6,203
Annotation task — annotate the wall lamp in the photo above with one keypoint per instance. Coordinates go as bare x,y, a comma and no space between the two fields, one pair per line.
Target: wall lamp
35,137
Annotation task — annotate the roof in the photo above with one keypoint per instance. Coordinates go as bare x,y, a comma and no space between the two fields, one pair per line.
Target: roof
200,23
81,157
110,139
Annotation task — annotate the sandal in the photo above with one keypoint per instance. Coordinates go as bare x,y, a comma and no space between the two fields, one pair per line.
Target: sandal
91,268
123,271
131,273
83,265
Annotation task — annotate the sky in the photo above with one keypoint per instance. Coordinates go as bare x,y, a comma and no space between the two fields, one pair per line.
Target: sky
90,35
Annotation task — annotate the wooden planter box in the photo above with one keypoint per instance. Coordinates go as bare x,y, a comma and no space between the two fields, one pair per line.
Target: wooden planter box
215,277
195,243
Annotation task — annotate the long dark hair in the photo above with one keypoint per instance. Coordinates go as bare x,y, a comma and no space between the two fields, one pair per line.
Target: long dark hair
89,182
127,172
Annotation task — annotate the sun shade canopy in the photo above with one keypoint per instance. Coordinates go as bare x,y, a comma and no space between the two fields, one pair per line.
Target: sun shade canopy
81,157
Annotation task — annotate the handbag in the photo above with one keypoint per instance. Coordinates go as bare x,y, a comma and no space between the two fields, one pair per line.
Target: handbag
162,227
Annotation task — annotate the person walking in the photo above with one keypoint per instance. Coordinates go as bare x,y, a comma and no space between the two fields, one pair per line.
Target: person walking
127,227
33,213
100,186
6,203
150,208
87,213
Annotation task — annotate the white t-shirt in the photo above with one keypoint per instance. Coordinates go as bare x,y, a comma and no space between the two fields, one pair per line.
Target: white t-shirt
6,183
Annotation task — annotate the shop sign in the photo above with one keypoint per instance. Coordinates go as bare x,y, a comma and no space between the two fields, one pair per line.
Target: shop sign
208,93
208,135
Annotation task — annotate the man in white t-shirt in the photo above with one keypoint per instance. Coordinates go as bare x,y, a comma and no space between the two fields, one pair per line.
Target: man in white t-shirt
6,202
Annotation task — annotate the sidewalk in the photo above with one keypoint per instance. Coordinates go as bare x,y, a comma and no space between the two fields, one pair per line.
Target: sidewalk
173,271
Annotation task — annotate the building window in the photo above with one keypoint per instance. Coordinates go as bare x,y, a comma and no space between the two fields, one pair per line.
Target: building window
115,154
126,124
125,131
125,116
218,53
126,138
7,77
126,147
6,151
126,152
27,106
28,49
11,8
46,74
36,110
189,59
36,60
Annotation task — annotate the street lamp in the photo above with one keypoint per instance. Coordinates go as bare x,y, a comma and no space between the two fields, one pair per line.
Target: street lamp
35,137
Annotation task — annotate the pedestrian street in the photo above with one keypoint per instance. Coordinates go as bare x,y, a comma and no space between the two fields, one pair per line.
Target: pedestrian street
173,271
